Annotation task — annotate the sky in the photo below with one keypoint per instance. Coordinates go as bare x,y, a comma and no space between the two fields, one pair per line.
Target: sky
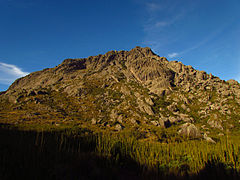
39,34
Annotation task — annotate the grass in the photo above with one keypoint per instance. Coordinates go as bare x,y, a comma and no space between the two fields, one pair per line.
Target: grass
44,154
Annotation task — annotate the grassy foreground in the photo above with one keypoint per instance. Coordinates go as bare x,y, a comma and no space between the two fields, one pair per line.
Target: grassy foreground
82,154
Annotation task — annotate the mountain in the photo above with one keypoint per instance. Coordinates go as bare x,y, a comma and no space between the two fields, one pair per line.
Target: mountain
134,90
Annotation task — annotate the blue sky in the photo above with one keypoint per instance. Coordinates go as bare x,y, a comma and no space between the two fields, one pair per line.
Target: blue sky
37,34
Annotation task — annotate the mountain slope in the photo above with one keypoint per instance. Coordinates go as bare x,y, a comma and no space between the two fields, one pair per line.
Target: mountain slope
134,90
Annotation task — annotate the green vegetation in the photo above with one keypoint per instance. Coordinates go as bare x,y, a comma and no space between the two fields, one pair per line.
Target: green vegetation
159,102
48,154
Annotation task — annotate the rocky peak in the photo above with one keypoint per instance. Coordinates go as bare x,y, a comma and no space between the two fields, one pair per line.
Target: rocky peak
121,89
143,52
140,64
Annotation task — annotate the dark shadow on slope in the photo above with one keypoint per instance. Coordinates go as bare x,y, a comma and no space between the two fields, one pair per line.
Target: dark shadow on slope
50,155
216,170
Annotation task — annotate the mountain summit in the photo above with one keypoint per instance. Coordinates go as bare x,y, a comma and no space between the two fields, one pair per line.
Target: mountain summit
125,90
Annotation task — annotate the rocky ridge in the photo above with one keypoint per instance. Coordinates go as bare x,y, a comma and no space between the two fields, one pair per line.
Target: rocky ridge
122,90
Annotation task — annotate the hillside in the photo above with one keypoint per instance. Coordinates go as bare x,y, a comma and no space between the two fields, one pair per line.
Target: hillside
135,91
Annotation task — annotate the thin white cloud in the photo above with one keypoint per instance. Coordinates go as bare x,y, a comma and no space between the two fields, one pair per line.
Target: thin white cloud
169,21
173,55
161,24
9,73
152,6
204,41
154,24
159,21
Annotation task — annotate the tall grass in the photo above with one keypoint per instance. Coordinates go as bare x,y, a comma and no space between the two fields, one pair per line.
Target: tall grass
190,156
46,154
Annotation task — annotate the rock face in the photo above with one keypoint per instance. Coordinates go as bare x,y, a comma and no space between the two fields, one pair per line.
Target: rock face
124,89
119,127
208,139
189,130
144,107
215,124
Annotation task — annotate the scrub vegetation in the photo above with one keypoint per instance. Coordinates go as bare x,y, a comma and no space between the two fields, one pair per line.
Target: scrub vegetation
83,154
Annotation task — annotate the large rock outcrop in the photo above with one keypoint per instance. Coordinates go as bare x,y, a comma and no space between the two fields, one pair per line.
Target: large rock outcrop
124,89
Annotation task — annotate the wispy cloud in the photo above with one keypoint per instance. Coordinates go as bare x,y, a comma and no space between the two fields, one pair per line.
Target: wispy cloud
173,55
205,40
156,23
9,73
160,21
152,6
169,21
167,25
